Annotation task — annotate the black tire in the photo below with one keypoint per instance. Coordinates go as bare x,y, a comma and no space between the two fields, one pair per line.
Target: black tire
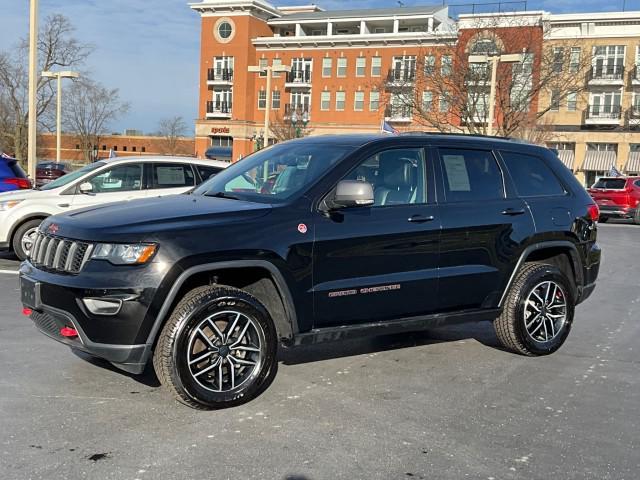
510,325
603,219
180,334
16,242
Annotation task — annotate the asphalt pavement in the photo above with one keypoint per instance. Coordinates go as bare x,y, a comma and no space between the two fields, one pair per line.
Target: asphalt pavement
445,404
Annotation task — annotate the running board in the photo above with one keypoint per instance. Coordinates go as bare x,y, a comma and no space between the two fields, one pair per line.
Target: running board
409,324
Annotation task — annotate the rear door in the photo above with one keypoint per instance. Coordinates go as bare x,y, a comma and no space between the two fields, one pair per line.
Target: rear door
170,178
483,228
380,262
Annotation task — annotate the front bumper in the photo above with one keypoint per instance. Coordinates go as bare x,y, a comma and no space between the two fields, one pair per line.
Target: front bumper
118,338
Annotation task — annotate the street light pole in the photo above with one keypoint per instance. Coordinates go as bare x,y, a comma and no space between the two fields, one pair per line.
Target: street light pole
268,69
33,85
494,59
59,76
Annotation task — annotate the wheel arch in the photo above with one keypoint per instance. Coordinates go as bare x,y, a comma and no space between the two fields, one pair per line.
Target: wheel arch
31,216
260,278
561,253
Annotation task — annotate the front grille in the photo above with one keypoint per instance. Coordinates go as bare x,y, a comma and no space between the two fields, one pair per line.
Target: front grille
57,254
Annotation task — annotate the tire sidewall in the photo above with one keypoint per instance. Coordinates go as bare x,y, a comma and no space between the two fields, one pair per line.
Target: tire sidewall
179,348
553,274
19,233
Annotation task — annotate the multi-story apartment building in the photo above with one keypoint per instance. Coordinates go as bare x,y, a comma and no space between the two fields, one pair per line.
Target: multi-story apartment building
349,70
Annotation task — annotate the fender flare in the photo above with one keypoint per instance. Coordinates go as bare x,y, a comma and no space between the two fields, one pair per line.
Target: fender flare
575,259
286,326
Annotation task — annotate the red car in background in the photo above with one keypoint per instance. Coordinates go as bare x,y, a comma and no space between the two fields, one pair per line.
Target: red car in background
47,172
617,197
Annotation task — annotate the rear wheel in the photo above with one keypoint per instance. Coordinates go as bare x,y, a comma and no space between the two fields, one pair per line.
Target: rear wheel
603,219
218,348
636,217
24,237
538,311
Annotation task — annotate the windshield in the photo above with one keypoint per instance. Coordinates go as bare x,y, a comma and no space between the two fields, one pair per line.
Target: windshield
70,177
275,174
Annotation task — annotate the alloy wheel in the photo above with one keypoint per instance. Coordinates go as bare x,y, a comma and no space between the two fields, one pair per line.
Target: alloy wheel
545,312
26,242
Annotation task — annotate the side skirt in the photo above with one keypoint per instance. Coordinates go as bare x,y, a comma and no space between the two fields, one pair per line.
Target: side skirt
409,324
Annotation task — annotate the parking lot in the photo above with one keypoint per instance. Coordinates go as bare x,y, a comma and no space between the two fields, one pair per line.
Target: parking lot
445,404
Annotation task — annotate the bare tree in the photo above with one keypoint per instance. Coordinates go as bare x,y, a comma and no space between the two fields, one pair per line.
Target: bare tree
441,90
57,49
172,129
89,109
282,129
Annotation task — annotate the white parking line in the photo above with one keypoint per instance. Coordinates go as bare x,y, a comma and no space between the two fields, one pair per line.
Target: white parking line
11,272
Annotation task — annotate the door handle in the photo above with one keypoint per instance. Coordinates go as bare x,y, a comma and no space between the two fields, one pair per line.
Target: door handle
420,218
63,205
513,211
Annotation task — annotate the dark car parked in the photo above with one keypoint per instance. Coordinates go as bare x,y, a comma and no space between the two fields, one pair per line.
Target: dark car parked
12,176
355,235
47,172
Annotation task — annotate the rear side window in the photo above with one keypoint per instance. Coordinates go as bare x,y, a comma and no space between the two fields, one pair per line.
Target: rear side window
11,168
470,175
611,183
637,183
172,175
531,176
207,172
17,170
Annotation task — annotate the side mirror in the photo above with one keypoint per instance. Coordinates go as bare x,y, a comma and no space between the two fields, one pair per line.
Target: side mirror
353,193
86,187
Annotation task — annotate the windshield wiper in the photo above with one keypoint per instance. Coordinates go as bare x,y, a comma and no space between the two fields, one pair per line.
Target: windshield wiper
222,195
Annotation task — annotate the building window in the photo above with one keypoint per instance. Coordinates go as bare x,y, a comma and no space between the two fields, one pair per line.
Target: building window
608,61
572,101
77,146
342,67
133,149
374,101
143,149
327,66
485,46
262,99
104,147
340,100
522,74
124,149
276,62
554,103
263,63
358,101
325,101
558,59
445,65
444,102
574,59
361,64
115,148
602,147
225,30
427,101
429,64
275,99
376,66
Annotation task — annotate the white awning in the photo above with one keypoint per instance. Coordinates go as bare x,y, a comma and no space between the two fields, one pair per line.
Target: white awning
599,160
567,157
633,163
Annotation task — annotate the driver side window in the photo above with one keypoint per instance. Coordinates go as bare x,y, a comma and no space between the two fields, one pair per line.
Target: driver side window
398,176
121,178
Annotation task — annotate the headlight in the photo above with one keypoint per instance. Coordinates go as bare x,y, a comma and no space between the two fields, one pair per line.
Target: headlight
120,254
8,204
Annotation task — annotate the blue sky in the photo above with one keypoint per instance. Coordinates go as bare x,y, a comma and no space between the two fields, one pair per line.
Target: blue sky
149,49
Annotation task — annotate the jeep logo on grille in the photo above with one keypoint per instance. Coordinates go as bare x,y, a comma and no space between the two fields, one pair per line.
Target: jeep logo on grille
53,229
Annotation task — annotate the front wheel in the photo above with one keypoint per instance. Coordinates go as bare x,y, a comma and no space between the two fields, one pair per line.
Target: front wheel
24,237
218,348
538,311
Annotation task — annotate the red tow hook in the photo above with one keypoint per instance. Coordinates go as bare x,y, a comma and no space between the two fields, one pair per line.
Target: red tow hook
26,311
68,332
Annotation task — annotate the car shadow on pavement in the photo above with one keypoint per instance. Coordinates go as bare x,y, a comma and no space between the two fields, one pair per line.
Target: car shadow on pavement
482,332
147,378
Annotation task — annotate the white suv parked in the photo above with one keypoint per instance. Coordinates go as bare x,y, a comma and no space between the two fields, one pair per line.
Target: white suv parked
113,180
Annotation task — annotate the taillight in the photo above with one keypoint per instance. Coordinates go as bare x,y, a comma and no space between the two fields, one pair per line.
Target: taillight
593,212
19,182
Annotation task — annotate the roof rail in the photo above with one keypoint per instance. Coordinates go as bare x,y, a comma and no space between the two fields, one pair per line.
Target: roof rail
459,134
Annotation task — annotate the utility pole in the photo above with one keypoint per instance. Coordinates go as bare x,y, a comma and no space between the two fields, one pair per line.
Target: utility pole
33,86
268,70
494,59
59,76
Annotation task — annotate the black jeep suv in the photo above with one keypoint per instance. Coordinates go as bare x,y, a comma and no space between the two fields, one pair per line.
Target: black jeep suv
314,240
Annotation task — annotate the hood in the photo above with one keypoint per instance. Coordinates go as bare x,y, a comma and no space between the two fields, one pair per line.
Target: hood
136,220
27,195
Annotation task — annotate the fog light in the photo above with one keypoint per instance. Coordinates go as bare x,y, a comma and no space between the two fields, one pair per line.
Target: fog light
102,306
68,332
26,311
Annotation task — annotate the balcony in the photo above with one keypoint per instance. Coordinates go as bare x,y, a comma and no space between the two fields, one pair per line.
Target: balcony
398,113
607,75
633,116
299,110
401,77
635,75
219,76
298,78
218,109
603,115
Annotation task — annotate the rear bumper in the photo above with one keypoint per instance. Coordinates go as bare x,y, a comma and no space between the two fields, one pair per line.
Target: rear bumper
590,272
616,211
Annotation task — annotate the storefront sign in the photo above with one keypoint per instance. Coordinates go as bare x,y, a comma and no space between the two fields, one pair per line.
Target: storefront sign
220,130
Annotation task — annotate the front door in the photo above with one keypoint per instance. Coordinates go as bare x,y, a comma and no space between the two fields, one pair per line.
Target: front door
120,182
483,229
380,262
